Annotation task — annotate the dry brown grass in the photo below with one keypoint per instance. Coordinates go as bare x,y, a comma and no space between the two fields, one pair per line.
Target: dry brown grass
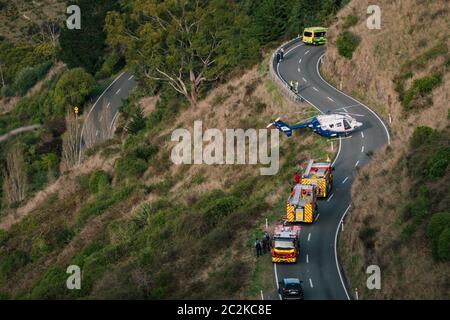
382,187
62,187
18,15
236,109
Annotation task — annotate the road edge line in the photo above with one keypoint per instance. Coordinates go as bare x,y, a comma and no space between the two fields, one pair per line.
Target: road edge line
335,251
87,116
350,97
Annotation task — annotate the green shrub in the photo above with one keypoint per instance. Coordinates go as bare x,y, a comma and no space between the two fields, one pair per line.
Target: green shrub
436,226
103,202
443,249
13,261
129,167
98,181
421,87
421,61
367,235
137,122
422,136
350,21
63,236
438,163
142,214
7,91
28,77
108,66
346,44
75,83
52,285
219,208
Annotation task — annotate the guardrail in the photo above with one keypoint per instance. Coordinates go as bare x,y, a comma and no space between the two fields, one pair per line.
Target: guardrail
274,76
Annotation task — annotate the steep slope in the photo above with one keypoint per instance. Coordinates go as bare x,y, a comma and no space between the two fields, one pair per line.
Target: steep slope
142,227
401,71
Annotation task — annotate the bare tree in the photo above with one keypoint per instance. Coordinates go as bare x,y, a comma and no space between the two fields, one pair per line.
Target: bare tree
105,121
14,177
71,142
49,31
178,46
90,132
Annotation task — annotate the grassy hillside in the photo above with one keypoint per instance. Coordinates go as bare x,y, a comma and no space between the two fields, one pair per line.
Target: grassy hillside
138,225
23,19
142,227
403,73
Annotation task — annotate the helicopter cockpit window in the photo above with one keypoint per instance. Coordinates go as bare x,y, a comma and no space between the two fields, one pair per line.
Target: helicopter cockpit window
339,125
347,125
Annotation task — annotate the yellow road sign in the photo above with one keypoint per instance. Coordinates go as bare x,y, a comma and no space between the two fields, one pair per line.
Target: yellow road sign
75,109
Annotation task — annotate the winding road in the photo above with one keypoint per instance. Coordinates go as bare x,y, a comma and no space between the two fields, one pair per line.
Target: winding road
109,101
318,265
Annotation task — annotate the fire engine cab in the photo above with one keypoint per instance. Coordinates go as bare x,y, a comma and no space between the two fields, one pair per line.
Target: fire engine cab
285,243
301,204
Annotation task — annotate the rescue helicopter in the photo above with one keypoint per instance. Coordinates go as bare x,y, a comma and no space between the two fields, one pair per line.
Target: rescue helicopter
327,125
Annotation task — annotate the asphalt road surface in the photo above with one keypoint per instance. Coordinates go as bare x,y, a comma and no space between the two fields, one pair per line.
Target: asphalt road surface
107,105
318,265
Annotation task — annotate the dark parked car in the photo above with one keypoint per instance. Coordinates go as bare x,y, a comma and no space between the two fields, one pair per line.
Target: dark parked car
291,288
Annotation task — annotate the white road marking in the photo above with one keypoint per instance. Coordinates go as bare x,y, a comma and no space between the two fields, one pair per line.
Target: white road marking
329,198
307,259
317,218
101,117
306,52
304,79
118,91
309,236
93,107
346,178
286,53
362,134
330,99
276,279
96,133
310,283
109,103
335,253
298,70
384,125
362,149
344,109
338,153
130,77
315,89
356,164
300,61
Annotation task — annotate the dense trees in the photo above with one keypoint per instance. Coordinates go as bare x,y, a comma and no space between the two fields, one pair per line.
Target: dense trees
86,47
75,83
182,43
186,44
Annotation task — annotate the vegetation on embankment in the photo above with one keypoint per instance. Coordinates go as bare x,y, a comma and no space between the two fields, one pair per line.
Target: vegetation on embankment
401,196
137,220
128,216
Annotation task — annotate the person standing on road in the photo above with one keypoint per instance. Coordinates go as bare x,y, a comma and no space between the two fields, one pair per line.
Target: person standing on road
281,54
258,247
